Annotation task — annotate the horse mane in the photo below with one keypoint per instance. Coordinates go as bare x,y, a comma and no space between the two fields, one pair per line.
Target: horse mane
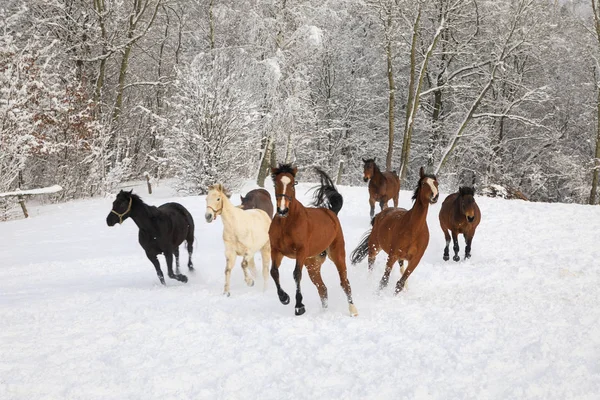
416,192
220,188
134,197
283,169
466,191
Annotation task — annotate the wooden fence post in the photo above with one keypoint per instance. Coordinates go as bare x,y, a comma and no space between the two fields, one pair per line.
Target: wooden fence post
23,207
340,172
147,175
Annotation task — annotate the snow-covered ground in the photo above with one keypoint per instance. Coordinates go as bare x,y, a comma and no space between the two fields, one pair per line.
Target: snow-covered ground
83,316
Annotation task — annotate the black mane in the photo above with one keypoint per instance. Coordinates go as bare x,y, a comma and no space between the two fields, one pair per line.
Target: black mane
283,169
416,192
466,191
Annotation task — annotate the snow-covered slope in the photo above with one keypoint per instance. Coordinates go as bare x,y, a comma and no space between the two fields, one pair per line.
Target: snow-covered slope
83,315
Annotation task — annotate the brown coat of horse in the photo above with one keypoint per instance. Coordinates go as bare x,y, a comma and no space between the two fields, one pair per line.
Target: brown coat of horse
258,198
307,235
402,234
383,186
459,214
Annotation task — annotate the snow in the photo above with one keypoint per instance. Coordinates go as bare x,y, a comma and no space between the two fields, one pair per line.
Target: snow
84,317
45,190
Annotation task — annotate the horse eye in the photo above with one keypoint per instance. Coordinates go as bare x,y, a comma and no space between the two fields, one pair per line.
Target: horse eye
295,183
218,199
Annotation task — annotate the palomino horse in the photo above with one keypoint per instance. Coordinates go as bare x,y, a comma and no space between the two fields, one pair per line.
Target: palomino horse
162,230
258,198
244,232
459,214
308,235
402,234
383,186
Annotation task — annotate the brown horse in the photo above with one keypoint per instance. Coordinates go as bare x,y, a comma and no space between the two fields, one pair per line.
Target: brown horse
383,186
459,214
402,234
308,235
258,198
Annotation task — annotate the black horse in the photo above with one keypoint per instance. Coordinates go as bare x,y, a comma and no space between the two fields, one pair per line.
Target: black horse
162,230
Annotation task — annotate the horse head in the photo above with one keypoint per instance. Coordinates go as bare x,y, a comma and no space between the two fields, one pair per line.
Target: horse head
427,188
369,168
467,202
121,208
214,201
284,178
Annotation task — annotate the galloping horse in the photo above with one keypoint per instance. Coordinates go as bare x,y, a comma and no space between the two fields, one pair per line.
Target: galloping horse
402,234
383,186
459,214
244,232
257,198
162,230
308,235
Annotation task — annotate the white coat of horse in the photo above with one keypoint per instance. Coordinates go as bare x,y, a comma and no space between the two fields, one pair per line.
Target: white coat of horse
245,232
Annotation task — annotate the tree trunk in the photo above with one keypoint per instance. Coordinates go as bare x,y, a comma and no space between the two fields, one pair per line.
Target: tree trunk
391,91
266,161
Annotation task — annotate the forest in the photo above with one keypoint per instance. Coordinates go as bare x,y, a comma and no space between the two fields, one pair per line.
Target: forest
483,92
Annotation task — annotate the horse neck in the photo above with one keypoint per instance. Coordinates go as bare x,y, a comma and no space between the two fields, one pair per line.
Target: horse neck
229,211
142,214
419,210
377,174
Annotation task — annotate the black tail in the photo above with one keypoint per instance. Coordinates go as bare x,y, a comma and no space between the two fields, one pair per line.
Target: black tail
362,250
327,195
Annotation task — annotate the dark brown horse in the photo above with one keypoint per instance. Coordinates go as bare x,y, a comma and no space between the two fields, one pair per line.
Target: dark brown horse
383,186
258,198
308,235
162,230
459,214
402,234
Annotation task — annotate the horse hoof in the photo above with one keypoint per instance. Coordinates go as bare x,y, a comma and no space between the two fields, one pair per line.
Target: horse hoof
284,298
456,258
353,311
251,283
226,294
162,280
182,278
300,310
446,258
191,268
467,256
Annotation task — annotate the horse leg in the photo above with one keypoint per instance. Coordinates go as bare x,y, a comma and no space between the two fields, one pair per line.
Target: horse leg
265,254
468,240
388,269
229,263
169,258
396,199
382,205
245,263
372,205
313,266
190,249
299,307
447,248
412,264
337,254
276,258
154,261
374,249
455,247
176,254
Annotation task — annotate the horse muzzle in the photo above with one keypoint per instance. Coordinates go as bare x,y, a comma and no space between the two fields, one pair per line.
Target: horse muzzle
434,199
365,179
470,218
283,213
209,217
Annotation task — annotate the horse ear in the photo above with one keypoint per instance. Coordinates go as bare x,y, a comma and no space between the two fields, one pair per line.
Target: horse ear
131,191
241,198
294,171
365,161
273,170
422,172
374,158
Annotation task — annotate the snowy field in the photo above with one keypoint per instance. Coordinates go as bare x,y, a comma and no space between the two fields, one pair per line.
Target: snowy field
83,315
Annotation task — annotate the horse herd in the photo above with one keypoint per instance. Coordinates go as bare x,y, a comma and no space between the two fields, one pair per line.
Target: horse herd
307,234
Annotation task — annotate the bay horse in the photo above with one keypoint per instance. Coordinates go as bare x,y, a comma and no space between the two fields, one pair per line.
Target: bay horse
245,232
402,234
308,235
383,186
459,214
258,198
162,230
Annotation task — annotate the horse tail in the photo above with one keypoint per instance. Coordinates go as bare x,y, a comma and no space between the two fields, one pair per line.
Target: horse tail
327,195
361,251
